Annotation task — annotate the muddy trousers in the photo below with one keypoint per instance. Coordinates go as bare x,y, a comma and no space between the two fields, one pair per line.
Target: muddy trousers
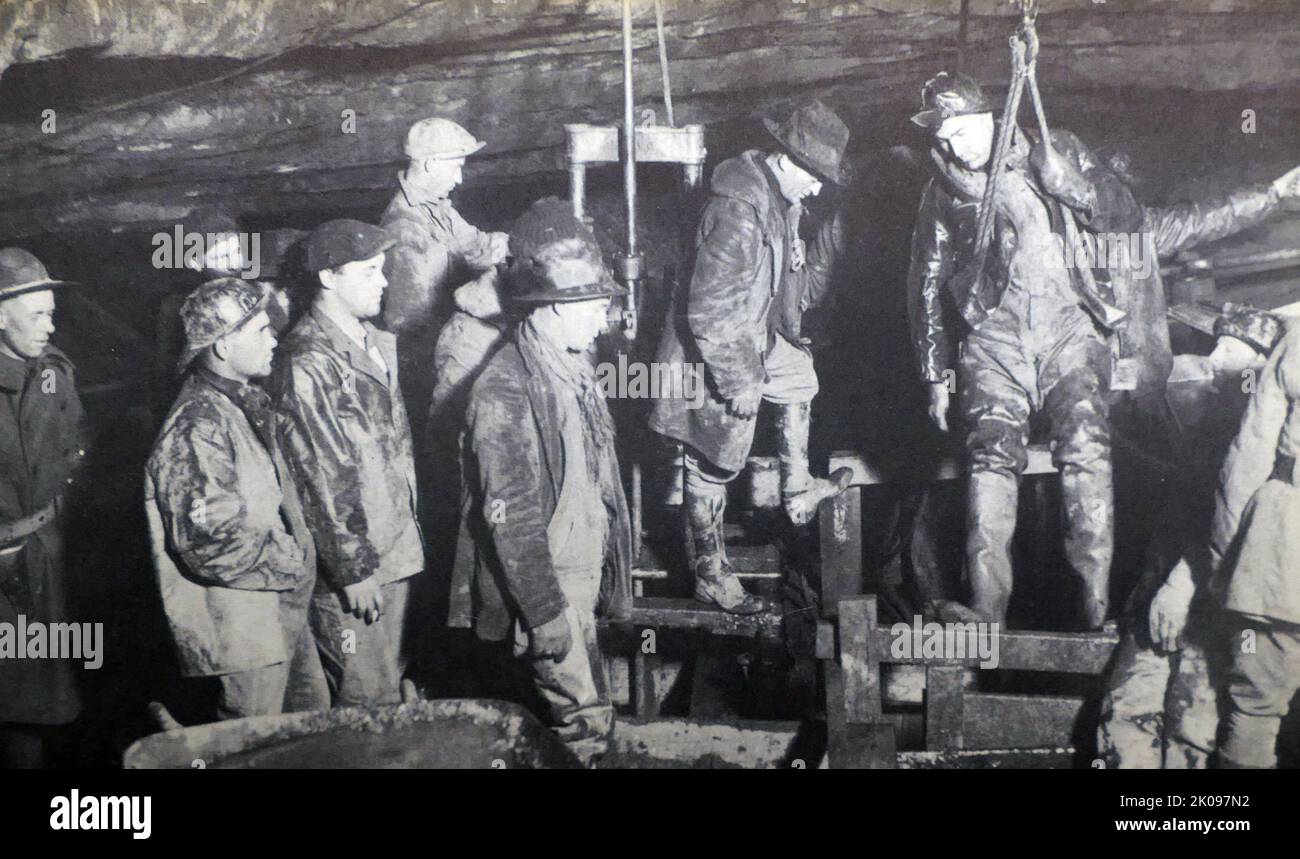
363,662
1002,383
1261,683
292,686
576,689
1160,710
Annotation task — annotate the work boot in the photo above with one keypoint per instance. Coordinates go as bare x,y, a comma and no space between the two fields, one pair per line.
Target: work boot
706,548
801,493
990,523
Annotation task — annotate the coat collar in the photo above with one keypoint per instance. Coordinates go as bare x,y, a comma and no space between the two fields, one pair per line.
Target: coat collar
349,348
14,372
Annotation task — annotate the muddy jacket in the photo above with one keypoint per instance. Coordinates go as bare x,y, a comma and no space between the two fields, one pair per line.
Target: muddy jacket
1137,282
741,296
348,442
436,251
42,444
943,242
471,336
513,470
1255,536
228,536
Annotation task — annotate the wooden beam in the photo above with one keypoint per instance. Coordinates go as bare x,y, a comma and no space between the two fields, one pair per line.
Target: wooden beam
944,707
1024,650
925,471
840,525
689,614
1019,721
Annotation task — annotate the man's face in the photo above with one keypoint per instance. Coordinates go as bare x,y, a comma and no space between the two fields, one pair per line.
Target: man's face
967,139
797,184
443,175
250,348
581,322
359,285
26,323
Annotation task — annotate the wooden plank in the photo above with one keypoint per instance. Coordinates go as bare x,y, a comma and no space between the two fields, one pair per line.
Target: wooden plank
644,694
925,471
1026,650
672,613
944,706
840,525
748,562
1019,721
860,659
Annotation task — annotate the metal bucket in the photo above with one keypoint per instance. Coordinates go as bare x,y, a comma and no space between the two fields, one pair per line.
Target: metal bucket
468,733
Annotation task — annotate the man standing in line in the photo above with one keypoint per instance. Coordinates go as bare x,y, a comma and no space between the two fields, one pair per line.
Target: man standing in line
347,438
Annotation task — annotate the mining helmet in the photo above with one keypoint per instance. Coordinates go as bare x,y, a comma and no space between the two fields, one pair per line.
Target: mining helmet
440,138
947,95
213,310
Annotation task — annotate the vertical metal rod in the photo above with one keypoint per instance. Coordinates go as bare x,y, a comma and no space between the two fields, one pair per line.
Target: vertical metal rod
629,131
663,62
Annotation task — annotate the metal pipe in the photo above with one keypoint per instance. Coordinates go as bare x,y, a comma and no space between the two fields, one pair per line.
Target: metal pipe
629,131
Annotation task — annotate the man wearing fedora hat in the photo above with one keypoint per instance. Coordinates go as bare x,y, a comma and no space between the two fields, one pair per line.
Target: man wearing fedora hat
740,315
234,558
545,543
1033,329
42,444
348,441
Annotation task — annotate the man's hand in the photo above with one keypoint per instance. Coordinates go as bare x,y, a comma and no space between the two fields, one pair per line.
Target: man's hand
1169,608
1059,176
745,406
939,401
1288,184
364,600
552,639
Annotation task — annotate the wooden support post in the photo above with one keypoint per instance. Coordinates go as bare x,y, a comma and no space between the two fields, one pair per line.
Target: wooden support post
944,707
859,659
841,548
645,696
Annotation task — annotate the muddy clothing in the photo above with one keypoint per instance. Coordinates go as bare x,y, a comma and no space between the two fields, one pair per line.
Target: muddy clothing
348,441
1161,710
743,295
234,558
43,438
471,336
514,470
1253,541
437,251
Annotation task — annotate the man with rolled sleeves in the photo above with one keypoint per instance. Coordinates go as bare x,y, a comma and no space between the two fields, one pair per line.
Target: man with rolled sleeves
347,439
42,443
235,562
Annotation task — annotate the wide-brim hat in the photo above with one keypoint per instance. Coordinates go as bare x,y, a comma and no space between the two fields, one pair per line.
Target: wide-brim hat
213,310
565,270
21,272
815,137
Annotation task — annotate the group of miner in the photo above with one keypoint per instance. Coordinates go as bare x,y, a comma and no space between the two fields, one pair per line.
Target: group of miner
285,488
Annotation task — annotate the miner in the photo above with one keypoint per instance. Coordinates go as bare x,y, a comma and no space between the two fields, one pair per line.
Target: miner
435,251
740,317
42,444
346,437
545,541
1252,553
1021,332
235,561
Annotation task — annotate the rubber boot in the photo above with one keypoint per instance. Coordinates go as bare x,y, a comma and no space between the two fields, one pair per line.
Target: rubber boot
801,493
707,550
990,523
1088,501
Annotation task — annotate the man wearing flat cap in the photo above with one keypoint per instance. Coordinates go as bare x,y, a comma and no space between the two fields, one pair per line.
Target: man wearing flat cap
740,315
235,561
435,251
348,441
42,444
545,543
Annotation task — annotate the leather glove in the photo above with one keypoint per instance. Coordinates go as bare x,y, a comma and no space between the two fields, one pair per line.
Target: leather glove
552,639
1060,177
